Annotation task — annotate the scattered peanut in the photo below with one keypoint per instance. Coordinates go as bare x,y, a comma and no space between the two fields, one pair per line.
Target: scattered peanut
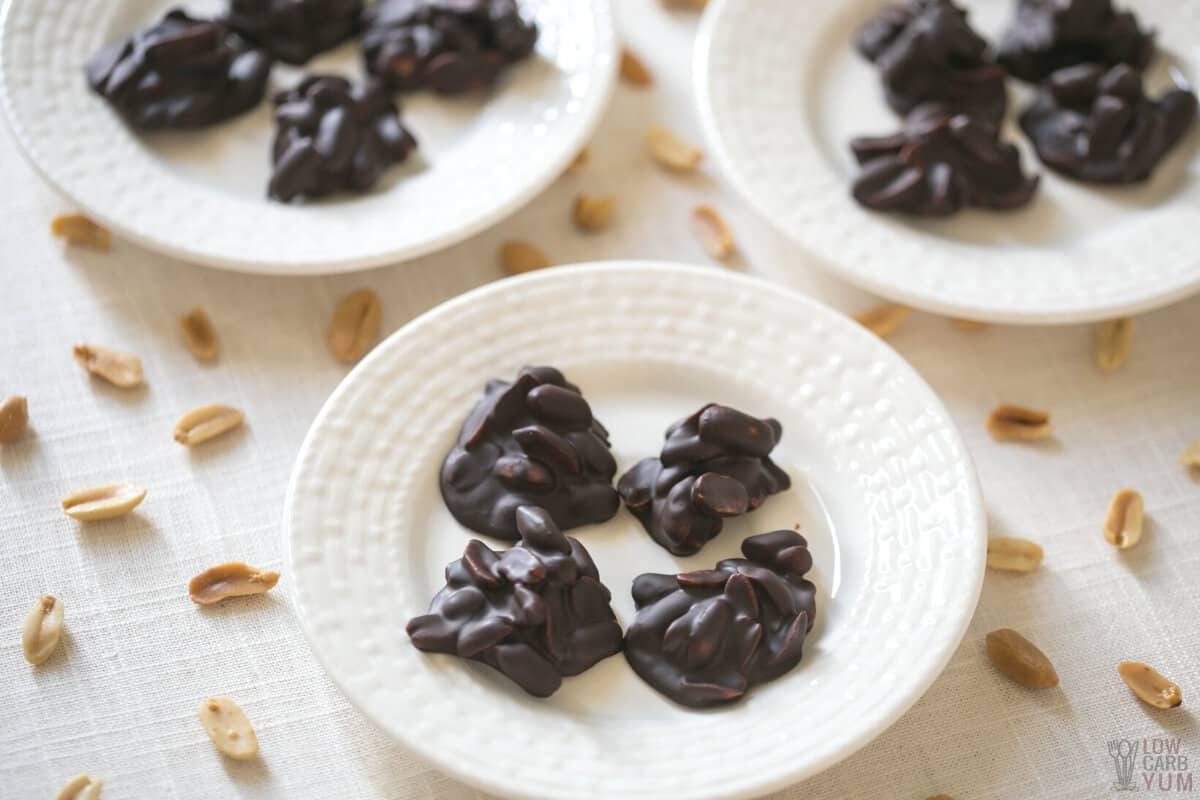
672,152
1112,343
1191,455
1017,423
633,71
103,502
1013,555
1020,660
518,256
43,629
232,579
199,334
968,324
119,369
355,325
14,417
593,213
713,232
1150,685
882,320
79,230
1126,515
81,787
206,422
227,726
581,160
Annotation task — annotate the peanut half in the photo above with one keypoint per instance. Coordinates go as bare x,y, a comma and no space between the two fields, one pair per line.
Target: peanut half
1126,516
206,422
42,630
672,152
882,320
103,502
1191,455
1017,423
518,257
712,231
633,71
1150,686
80,230
199,334
1020,660
81,787
119,369
227,726
232,579
1013,555
1112,342
355,325
593,213
14,417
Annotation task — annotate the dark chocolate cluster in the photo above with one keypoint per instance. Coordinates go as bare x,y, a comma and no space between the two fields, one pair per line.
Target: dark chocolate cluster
704,638
1096,124
531,442
938,164
180,72
536,612
714,464
331,136
451,46
295,30
927,52
1048,35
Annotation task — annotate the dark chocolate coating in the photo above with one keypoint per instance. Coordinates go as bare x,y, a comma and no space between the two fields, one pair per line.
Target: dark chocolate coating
536,612
714,464
937,165
1097,124
450,46
180,72
704,638
926,52
331,136
295,30
531,442
1047,35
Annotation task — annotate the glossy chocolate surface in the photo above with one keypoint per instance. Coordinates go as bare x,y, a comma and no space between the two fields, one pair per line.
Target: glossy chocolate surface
536,612
1047,35
180,72
714,464
1097,124
295,30
704,638
530,442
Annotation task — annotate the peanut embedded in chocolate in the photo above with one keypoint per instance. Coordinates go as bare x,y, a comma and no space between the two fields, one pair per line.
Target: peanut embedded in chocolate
704,638
295,30
1048,35
536,612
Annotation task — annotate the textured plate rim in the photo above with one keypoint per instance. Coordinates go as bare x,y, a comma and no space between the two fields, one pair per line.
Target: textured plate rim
966,605
600,98
896,291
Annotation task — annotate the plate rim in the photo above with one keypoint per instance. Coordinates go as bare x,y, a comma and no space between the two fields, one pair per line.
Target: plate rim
590,117
977,529
897,291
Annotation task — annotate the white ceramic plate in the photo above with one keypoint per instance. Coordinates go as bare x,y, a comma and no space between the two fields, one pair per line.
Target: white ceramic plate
884,490
780,108
201,196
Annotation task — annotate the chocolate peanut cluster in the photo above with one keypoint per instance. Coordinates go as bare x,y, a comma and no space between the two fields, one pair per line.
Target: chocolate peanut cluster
714,464
704,638
938,164
331,136
536,612
530,442
1097,124
295,30
180,72
451,46
1048,35
927,52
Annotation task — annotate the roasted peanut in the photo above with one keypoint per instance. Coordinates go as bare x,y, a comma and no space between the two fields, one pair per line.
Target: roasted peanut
14,418
1020,660
199,334
227,726
1113,339
1191,455
1013,555
81,231
672,152
232,579
518,256
1017,423
1150,685
206,422
81,787
43,629
1126,516
712,231
882,320
593,213
355,325
103,502
119,369
633,71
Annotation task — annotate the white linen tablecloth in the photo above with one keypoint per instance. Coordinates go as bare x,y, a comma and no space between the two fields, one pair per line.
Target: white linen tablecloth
119,699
